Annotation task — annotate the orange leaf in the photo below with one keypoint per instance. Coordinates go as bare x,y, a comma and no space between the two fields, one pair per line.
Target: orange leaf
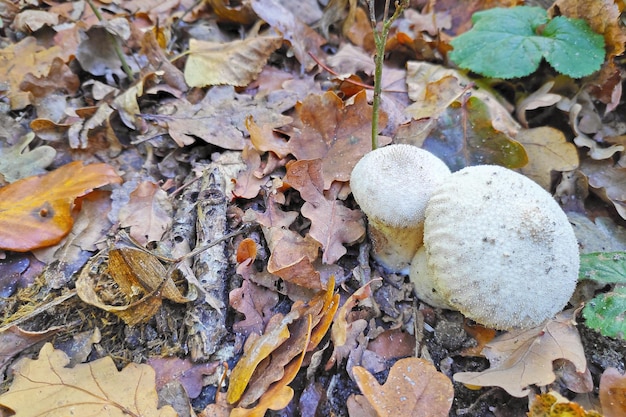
35,212
414,388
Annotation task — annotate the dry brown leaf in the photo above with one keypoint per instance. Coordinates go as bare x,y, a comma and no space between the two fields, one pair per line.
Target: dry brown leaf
22,58
15,340
613,393
17,161
248,183
608,181
537,99
414,387
234,63
332,224
219,119
548,151
255,303
302,38
94,388
188,373
336,133
141,281
148,213
521,358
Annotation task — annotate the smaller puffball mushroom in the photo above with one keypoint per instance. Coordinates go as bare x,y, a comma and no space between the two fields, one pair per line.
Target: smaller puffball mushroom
392,186
497,248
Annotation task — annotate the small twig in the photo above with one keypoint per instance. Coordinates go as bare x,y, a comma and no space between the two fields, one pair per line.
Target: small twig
194,252
116,45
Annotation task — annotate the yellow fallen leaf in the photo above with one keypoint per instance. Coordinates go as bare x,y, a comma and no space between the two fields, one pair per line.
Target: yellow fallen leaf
45,387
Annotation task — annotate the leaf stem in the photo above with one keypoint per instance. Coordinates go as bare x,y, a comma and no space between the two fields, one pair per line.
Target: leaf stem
380,40
116,45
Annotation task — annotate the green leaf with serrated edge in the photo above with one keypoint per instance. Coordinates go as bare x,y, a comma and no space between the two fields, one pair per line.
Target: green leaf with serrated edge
603,267
510,42
464,135
575,50
607,313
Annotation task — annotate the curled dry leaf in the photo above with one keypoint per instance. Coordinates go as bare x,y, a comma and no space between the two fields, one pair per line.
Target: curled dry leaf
414,387
522,358
94,388
607,181
141,281
234,63
36,212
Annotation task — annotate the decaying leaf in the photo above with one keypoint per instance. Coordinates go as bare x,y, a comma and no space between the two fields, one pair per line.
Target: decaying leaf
332,224
141,282
613,393
255,303
548,151
188,373
522,358
267,358
414,387
234,63
464,135
94,388
17,162
148,213
607,180
552,404
35,212
338,134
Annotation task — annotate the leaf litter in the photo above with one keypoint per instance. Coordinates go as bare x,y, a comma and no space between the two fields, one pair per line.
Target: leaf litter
240,123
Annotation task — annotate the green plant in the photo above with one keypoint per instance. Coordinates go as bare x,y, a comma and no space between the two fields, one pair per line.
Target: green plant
380,40
510,42
607,311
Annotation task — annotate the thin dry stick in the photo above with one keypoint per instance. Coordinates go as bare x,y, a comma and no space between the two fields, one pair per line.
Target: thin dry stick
380,39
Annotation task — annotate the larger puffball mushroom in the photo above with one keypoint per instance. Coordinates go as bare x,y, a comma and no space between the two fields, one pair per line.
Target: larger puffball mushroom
497,248
392,186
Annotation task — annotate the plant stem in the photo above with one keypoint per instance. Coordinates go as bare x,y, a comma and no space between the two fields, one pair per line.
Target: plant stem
116,45
380,39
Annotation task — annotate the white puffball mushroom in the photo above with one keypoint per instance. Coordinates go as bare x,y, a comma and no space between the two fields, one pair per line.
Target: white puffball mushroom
392,186
498,248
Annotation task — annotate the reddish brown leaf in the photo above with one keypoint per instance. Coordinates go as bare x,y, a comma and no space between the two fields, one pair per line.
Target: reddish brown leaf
35,212
332,224
148,213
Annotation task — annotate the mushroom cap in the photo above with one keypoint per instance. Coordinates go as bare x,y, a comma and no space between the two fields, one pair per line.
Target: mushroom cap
500,249
392,184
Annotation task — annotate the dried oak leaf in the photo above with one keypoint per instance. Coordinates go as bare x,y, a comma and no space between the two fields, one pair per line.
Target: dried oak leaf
301,37
234,63
148,213
521,358
22,58
292,255
35,212
18,162
219,119
613,393
255,303
188,373
249,181
332,224
338,134
548,151
94,388
414,387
